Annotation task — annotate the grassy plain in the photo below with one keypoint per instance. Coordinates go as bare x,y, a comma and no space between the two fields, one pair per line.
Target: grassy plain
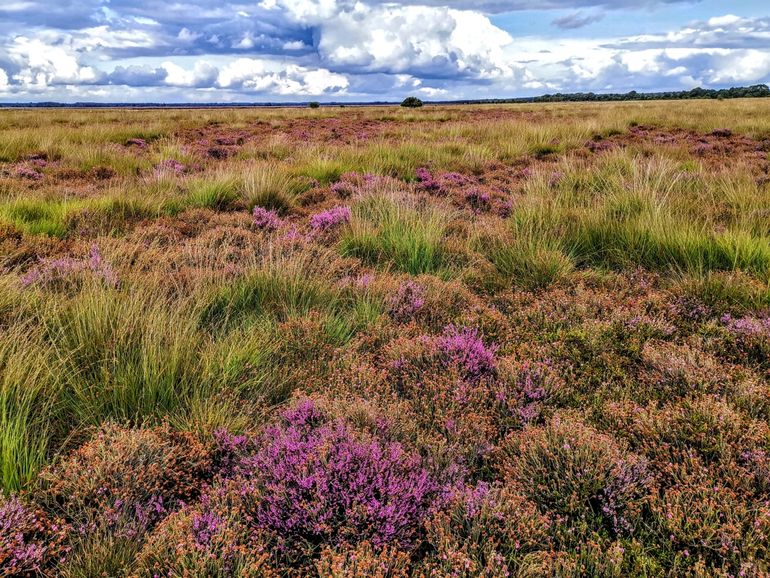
524,340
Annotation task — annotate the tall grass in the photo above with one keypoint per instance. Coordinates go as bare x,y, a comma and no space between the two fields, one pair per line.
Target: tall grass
386,231
29,406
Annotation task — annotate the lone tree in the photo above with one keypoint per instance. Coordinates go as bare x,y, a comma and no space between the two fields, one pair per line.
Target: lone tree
314,104
412,102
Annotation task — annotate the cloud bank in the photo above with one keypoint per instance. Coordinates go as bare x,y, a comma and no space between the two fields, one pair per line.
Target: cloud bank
206,50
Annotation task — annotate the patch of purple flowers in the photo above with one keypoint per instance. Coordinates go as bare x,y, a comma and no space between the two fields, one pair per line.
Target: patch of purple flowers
321,482
266,219
747,326
478,199
28,173
464,349
27,540
170,166
330,219
407,301
52,270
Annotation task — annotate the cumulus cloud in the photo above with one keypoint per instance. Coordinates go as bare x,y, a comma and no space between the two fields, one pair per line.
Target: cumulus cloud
262,76
357,49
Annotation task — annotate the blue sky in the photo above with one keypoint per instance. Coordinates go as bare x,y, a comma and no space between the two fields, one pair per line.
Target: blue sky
358,50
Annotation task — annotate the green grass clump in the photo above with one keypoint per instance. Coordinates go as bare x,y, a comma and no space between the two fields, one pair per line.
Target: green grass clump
212,193
394,233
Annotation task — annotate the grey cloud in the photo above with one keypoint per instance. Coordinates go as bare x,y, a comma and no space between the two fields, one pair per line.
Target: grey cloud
576,20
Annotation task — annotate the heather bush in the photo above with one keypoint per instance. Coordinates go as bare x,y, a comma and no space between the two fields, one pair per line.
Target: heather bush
265,219
68,271
464,349
406,302
128,478
330,219
486,530
30,541
209,539
570,469
748,339
320,482
704,522
363,561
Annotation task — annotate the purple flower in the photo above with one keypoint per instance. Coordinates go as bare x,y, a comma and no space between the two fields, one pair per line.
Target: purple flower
265,219
170,166
330,219
28,173
320,482
407,301
64,268
465,350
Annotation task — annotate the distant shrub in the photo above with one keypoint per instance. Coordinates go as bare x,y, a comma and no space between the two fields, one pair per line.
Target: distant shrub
30,541
314,104
411,102
68,271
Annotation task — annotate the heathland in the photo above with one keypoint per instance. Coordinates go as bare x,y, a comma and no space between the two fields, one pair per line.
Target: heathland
519,340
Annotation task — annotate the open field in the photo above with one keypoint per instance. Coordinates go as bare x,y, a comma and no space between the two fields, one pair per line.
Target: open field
524,340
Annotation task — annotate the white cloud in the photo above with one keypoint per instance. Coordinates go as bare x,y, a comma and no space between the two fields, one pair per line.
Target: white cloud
264,76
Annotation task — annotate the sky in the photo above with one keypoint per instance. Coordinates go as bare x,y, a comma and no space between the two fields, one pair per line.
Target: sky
370,50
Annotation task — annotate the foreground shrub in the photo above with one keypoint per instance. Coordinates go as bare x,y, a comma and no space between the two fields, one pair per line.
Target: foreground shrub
571,469
707,524
486,531
321,483
128,478
30,541
210,539
363,561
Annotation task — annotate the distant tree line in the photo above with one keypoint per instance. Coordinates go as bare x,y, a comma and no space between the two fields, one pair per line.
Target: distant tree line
755,91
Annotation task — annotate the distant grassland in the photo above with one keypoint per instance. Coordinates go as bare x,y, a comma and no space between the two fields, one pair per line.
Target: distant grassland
184,272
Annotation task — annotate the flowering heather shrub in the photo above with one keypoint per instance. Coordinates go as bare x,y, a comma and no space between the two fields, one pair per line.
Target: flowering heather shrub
209,539
63,270
129,477
170,166
363,561
407,301
750,338
330,219
535,383
426,180
571,469
320,482
28,173
266,219
707,523
478,199
464,349
30,541
485,530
